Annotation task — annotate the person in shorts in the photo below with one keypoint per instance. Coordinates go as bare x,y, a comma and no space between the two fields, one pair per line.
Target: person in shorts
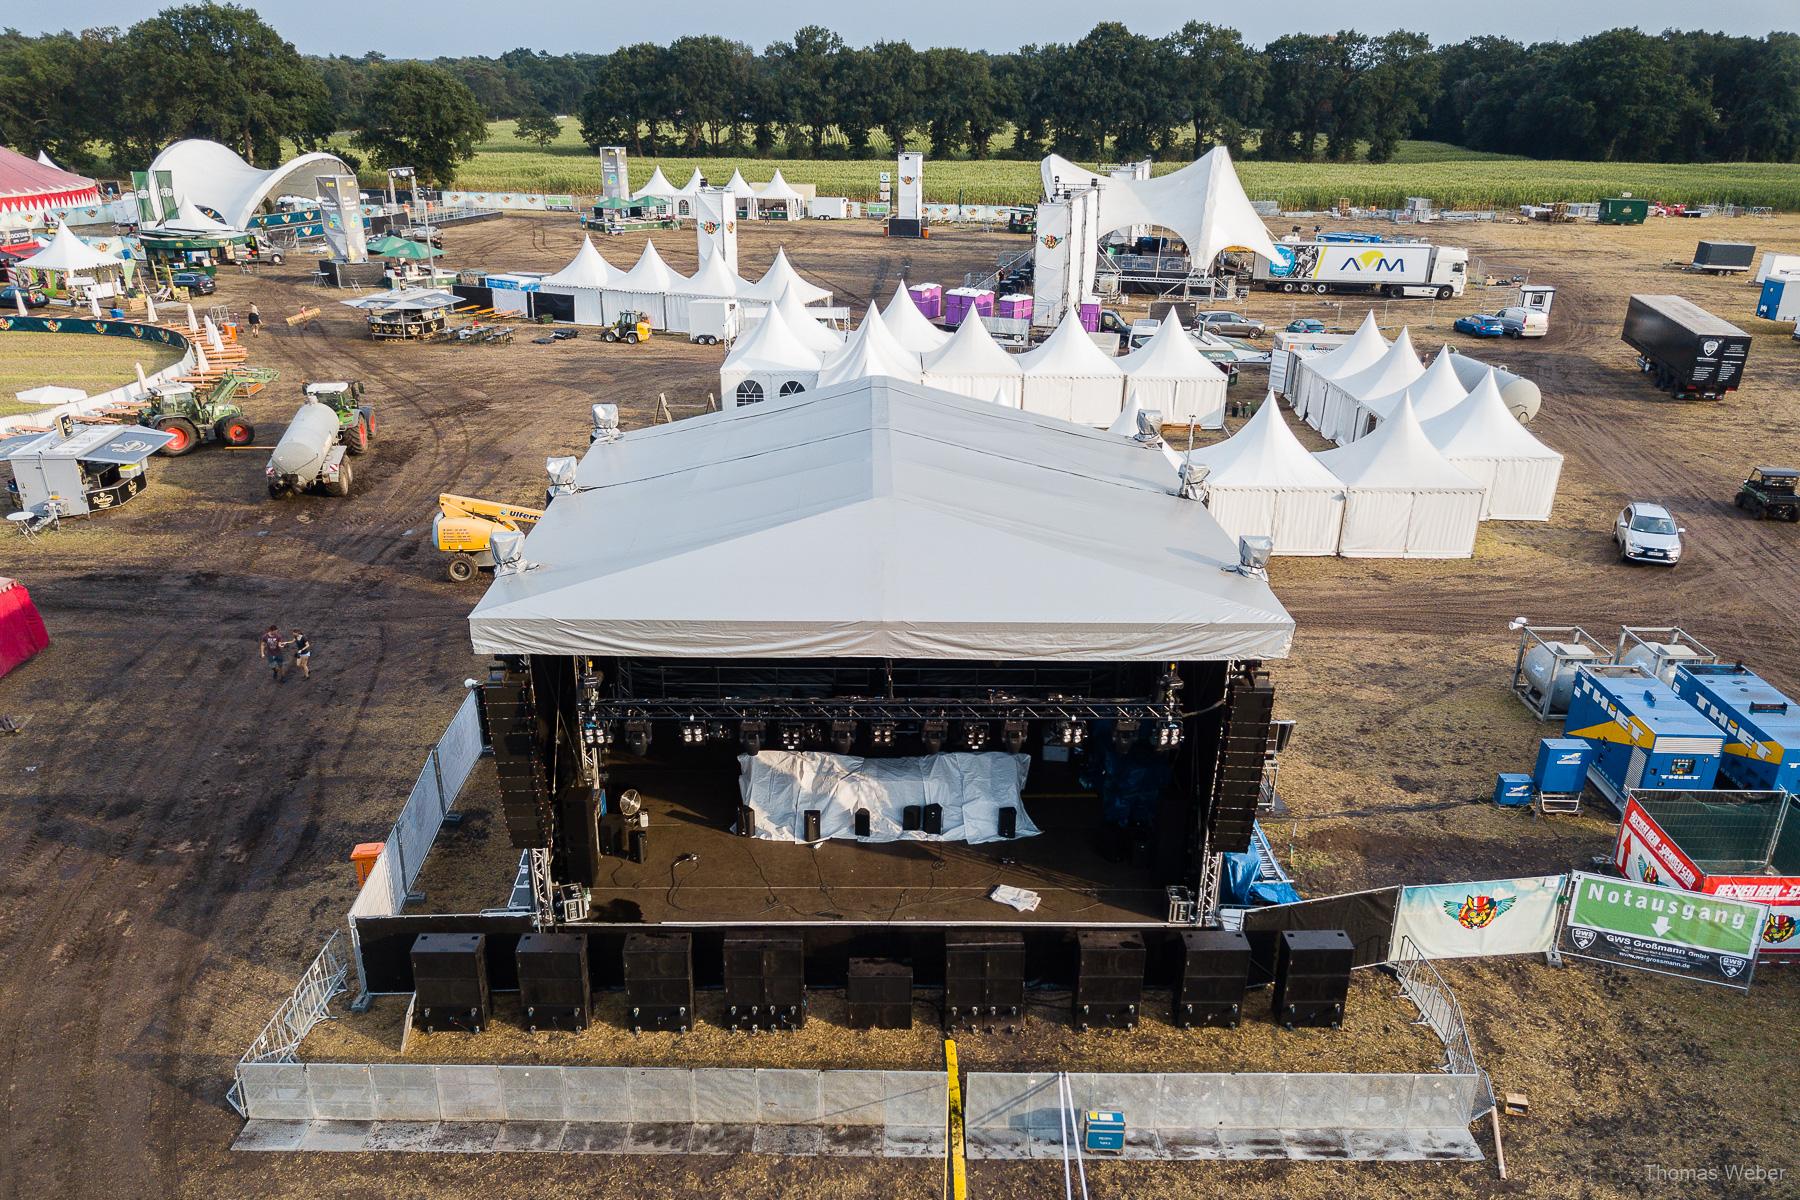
302,653
272,653
255,319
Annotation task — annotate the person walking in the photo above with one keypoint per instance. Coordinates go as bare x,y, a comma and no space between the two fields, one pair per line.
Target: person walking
255,319
271,652
302,653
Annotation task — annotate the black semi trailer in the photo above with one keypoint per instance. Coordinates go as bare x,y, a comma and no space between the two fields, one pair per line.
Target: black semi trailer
1690,353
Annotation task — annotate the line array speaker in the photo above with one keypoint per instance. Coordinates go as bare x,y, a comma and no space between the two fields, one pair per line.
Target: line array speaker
554,991
984,978
1312,977
1215,969
765,979
1243,751
1109,979
451,982
878,994
512,730
659,980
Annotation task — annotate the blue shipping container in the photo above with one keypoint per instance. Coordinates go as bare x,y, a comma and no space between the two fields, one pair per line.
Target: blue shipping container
1644,736
1762,726
1562,765
1513,791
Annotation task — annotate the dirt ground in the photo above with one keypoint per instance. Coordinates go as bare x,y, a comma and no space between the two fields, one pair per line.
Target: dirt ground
177,824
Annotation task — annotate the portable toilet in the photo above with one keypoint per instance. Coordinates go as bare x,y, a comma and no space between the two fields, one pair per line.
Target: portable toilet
1623,210
1780,299
1644,736
1762,746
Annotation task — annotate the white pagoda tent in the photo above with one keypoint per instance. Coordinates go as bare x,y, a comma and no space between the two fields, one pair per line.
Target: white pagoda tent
806,325
779,278
1402,498
658,188
713,281
1262,482
1307,394
908,324
1393,371
777,200
68,261
645,289
871,351
765,364
1169,373
1071,378
1482,439
1433,394
743,196
972,364
584,279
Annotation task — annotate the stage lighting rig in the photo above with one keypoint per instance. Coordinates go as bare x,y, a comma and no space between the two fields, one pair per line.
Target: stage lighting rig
843,736
750,736
932,734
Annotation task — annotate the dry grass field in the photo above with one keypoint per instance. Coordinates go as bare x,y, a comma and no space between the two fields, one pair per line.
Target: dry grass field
177,826
90,362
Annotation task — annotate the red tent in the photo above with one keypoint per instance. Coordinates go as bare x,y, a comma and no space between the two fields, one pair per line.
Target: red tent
22,632
29,186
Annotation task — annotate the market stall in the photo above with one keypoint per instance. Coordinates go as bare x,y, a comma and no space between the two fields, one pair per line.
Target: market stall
80,469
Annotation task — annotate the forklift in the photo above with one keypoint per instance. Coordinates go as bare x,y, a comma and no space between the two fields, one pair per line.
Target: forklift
464,524
630,327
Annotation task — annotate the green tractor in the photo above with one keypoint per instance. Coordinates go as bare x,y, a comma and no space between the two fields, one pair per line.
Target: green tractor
1770,493
356,420
192,417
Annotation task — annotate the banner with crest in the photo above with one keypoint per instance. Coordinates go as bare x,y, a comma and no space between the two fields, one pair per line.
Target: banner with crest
1475,920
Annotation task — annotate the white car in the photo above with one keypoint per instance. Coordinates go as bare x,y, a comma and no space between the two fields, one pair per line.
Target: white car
1647,533
1524,322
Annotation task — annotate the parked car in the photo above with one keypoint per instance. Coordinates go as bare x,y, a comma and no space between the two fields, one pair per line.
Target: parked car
1524,322
1646,532
197,282
1306,325
1481,325
424,233
9,297
1229,323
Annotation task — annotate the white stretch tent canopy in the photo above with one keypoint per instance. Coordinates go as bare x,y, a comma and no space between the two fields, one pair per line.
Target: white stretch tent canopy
972,364
780,786
1070,378
1307,392
584,279
879,520
779,191
1402,498
1203,202
908,324
68,254
216,176
189,219
1262,481
766,363
779,278
1433,394
869,352
645,289
806,324
658,187
713,281
1393,371
1482,439
1169,373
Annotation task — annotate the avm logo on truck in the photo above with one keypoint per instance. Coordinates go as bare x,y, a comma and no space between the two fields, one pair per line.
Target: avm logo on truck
1372,260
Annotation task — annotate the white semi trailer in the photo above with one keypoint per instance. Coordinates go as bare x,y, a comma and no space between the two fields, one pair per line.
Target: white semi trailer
1384,268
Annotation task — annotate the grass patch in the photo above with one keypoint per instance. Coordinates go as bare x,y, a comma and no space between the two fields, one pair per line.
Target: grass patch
88,361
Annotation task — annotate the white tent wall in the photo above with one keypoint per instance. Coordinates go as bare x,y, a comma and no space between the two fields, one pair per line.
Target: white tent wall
590,308
1394,371
1262,481
1483,439
616,301
1365,346
1070,378
1404,523
1515,489
1303,522
972,364
1169,374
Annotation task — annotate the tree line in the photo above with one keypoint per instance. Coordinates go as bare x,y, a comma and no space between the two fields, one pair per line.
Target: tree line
220,72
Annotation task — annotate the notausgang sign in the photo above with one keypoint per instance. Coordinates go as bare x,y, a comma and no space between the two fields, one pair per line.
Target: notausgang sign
1663,930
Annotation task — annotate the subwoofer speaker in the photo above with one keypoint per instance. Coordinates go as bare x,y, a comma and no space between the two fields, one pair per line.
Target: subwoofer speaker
1215,969
450,982
659,980
1312,977
554,992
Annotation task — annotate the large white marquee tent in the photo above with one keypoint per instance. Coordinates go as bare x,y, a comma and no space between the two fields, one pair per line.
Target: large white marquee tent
713,281
214,175
1483,439
1169,373
1070,378
972,364
806,324
1402,498
1262,482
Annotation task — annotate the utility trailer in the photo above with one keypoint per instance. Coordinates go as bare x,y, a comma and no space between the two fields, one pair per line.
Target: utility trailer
1723,258
1690,353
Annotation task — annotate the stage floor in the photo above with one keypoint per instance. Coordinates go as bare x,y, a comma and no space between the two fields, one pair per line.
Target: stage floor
696,869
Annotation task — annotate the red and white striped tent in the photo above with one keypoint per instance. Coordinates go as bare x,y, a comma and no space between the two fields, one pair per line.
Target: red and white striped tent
29,186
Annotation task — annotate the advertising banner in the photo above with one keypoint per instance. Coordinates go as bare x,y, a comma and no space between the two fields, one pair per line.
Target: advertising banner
1473,920
1662,930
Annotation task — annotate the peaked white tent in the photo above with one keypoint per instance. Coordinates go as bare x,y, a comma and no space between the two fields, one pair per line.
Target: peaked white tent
67,257
658,188
781,276
807,326
972,364
1402,498
872,351
584,279
692,187
1482,439
1262,482
1365,346
743,196
1126,424
1071,378
45,159
879,520
908,324
777,200
644,288
1433,394
1203,202
189,219
1394,370
767,363
1169,373
713,281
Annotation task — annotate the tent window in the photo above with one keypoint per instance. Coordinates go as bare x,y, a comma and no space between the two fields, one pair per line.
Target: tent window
792,387
684,209
749,392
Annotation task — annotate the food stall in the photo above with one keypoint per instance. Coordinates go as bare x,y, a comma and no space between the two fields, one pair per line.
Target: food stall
81,468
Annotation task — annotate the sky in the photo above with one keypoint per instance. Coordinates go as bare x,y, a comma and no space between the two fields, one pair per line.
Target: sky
459,27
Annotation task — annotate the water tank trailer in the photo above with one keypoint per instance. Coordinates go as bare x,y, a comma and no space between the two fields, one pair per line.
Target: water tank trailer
1762,726
310,454
1644,736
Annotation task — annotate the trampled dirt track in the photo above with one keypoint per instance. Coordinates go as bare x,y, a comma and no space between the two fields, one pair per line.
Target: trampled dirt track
176,826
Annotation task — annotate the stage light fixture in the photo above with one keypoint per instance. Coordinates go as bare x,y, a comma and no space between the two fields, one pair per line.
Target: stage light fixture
881,735
932,734
599,733
1125,731
750,736
843,736
1012,736
1168,735
792,736
637,737
692,732
1071,733
975,735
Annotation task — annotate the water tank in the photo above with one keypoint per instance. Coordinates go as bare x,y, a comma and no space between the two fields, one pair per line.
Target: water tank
1522,396
1550,673
1661,658
309,436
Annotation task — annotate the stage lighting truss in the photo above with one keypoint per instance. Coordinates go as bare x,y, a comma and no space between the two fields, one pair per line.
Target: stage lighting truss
637,737
932,733
881,735
975,736
1125,732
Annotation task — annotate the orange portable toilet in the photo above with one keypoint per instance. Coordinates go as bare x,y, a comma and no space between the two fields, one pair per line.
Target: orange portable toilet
363,858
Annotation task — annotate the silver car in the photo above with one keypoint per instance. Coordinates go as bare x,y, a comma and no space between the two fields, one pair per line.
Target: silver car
1646,532
1229,323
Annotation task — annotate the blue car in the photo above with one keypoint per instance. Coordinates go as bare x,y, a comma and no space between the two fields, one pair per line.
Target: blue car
1306,325
1481,325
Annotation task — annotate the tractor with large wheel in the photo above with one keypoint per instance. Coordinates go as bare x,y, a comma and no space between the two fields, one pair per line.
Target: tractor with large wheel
631,327
191,418
1770,494
356,420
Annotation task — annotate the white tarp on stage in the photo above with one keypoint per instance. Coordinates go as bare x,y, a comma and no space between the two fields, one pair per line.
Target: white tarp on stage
782,785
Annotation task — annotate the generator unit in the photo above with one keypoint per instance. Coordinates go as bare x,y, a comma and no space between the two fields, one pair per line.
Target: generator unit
1544,671
1762,726
1645,737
